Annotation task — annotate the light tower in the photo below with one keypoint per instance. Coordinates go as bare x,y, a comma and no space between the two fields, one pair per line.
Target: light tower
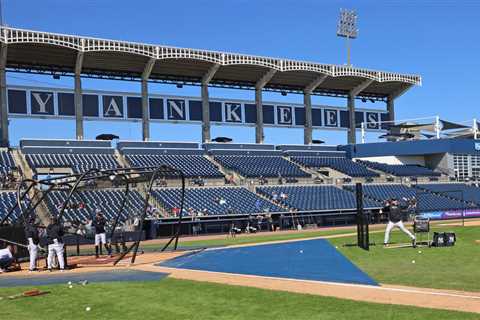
347,28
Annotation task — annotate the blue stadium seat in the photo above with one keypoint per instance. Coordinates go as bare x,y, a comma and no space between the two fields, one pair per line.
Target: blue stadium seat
77,162
341,164
401,170
238,200
8,199
7,164
256,166
84,203
190,165
457,191
426,201
311,198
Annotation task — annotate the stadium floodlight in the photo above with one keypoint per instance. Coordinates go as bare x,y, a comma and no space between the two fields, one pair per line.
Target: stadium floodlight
347,28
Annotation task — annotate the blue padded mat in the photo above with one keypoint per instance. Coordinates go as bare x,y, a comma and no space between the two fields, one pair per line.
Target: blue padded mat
45,278
307,260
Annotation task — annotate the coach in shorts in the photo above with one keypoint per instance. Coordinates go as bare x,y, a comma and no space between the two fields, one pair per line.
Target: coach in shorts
99,223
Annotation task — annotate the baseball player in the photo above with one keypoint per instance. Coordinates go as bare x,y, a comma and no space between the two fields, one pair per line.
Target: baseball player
55,244
395,216
31,232
6,258
99,223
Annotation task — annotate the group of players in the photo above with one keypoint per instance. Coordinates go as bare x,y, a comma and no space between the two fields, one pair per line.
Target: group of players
55,243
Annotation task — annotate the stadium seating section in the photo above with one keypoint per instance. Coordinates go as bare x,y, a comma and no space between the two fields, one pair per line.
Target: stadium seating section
83,204
223,200
8,199
426,201
401,170
315,197
238,200
458,191
256,166
77,162
343,165
7,164
190,165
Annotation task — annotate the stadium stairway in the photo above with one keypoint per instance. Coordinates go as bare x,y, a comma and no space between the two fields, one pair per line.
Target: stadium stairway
120,159
264,197
313,172
238,179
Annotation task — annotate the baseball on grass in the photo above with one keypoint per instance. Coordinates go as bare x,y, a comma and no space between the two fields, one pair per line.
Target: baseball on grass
413,261
70,286
87,309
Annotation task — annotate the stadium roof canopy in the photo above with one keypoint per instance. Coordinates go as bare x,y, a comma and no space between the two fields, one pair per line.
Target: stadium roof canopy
51,53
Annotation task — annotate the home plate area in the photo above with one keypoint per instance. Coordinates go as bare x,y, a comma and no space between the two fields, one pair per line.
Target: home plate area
314,260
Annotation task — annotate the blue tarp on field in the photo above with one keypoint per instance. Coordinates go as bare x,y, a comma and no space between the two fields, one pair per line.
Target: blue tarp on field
307,260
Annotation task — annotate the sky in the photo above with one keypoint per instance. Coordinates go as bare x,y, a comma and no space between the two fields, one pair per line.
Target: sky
435,39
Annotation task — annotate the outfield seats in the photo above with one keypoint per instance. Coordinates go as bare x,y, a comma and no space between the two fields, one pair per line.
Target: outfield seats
83,204
257,166
237,200
76,161
312,198
457,191
340,164
401,170
190,165
426,201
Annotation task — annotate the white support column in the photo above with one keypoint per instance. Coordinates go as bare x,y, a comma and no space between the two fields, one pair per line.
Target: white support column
206,102
307,101
4,141
352,138
77,97
259,136
437,126
475,129
147,70
363,132
391,101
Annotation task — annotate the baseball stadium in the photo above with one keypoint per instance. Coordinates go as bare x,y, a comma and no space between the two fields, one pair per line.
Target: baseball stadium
102,219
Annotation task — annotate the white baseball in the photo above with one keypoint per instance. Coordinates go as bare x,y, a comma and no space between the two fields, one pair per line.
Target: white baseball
87,309
413,261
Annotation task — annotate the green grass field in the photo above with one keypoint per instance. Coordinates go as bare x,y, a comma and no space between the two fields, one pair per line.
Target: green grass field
455,267
447,268
443,268
179,299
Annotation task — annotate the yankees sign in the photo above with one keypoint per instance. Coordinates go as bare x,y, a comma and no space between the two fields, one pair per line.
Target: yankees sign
100,105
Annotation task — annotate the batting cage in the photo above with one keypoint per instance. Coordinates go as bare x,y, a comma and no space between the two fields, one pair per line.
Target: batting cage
121,197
